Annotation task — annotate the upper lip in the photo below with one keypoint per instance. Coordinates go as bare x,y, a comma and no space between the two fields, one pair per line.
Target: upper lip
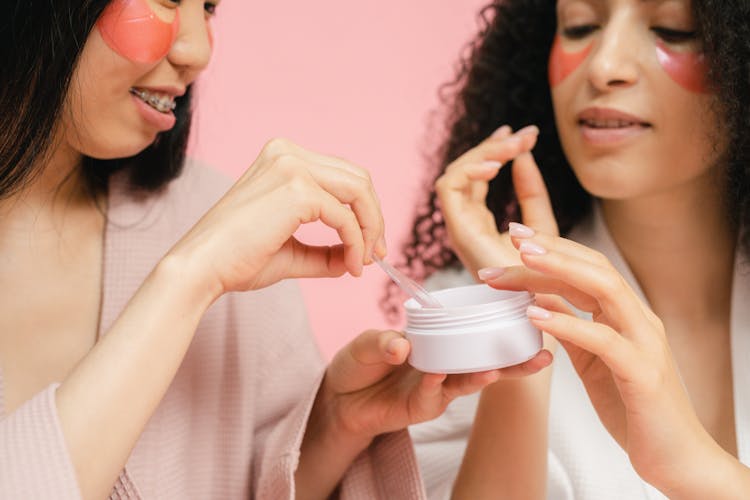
604,114
170,90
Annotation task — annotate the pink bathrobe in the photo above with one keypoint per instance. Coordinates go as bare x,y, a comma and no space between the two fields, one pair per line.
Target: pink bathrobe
231,423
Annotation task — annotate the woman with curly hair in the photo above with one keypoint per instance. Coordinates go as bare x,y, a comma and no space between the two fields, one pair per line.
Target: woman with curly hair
634,212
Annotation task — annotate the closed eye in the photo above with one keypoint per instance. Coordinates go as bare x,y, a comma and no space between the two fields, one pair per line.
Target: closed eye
578,32
674,36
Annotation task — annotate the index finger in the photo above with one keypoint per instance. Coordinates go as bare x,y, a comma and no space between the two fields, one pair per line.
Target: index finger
367,210
359,194
532,195
500,147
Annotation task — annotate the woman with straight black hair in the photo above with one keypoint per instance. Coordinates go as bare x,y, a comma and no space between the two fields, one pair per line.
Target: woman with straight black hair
128,368
638,113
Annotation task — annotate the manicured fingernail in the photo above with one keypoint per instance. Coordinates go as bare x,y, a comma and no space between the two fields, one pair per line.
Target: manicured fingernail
520,231
513,140
489,273
530,248
502,130
536,312
531,129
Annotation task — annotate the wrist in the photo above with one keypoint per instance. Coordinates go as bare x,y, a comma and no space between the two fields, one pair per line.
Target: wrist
710,472
727,478
327,449
330,426
181,272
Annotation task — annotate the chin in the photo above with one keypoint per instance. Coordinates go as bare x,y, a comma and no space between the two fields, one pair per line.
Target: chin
122,148
609,182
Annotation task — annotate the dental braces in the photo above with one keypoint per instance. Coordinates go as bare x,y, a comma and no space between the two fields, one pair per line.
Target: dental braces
154,101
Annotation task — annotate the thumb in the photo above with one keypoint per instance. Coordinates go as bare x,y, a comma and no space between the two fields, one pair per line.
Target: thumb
366,360
533,198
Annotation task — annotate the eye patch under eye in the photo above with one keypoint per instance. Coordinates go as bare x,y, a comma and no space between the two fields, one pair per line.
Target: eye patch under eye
134,31
687,69
562,64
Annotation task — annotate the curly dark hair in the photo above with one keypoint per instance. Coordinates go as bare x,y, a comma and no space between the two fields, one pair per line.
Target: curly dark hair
503,80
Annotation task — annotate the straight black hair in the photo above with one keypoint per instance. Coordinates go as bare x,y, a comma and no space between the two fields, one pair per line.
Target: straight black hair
41,42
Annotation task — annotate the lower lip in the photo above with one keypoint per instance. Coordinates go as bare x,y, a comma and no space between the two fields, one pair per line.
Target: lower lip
162,121
611,136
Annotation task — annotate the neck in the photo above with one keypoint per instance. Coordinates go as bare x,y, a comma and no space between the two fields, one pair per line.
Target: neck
680,246
55,192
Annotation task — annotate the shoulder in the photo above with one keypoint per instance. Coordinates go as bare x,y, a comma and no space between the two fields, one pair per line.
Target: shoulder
170,212
196,189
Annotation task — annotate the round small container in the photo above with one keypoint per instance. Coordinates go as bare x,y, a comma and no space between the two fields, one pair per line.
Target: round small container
478,328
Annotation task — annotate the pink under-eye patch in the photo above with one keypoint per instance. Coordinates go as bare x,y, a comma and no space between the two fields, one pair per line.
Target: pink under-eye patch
134,31
562,63
687,69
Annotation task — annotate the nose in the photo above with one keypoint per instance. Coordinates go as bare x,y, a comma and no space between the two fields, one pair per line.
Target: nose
191,51
615,59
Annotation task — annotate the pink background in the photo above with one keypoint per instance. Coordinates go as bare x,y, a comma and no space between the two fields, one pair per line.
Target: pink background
353,79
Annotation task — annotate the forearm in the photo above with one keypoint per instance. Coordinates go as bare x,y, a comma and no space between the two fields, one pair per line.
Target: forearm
506,456
326,453
108,398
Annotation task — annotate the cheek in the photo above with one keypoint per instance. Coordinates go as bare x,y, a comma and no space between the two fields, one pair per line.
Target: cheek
562,63
687,69
133,30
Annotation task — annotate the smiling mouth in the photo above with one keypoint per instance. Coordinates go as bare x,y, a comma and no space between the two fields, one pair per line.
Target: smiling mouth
162,103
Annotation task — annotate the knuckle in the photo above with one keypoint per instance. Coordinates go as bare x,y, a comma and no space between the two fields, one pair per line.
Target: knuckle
276,147
299,189
359,171
655,320
610,284
366,175
442,184
286,163
600,258
360,185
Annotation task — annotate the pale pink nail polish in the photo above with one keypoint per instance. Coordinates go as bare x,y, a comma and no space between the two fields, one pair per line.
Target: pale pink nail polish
536,312
530,248
489,273
520,231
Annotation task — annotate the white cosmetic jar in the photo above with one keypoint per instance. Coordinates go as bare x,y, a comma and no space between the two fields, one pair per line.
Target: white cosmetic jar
478,328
